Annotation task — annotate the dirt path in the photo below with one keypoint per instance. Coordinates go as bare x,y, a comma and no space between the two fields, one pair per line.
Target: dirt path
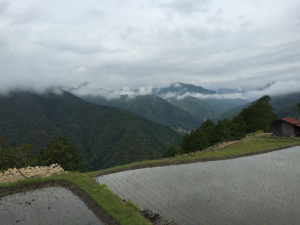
224,144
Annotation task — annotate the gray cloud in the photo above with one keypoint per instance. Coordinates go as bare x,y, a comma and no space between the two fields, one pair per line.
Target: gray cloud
3,7
82,48
30,16
214,44
188,6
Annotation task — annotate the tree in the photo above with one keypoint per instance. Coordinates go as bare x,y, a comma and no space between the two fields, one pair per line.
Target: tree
259,115
222,132
185,142
239,126
21,155
172,151
62,152
209,129
199,141
299,108
5,154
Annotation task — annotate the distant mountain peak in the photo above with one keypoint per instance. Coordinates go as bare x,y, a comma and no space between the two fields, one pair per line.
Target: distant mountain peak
265,87
222,91
179,88
176,85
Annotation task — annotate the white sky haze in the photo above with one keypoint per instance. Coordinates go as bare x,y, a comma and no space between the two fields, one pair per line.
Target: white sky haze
114,44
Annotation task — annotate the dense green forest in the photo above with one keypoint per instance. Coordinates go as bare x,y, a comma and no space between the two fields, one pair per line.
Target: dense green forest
257,116
207,108
105,136
58,151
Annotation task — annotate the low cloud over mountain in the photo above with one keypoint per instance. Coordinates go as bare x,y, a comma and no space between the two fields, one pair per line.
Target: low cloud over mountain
180,91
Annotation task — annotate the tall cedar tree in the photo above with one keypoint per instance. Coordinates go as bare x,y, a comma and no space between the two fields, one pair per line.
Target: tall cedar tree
209,128
172,151
22,155
221,131
239,126
185,142
62,152
199,141
259,115
5,154
299,109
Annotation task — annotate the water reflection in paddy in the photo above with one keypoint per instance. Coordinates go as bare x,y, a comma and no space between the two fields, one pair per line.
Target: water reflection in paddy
261,189
52,205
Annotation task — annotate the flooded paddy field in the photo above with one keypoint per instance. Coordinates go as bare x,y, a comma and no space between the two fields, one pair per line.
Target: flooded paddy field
51,205
261,189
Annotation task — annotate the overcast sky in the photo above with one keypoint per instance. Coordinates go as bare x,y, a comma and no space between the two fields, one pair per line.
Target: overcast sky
115,43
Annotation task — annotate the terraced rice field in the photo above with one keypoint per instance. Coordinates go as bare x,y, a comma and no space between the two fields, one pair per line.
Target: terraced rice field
52,205
261,189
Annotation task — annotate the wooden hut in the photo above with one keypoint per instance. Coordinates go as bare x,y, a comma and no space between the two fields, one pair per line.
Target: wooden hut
286,127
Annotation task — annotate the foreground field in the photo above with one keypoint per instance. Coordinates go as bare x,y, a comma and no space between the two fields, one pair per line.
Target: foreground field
107,206
261,189
126,213
52,205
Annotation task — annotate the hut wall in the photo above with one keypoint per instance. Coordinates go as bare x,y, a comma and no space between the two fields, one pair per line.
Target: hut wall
277,129
288,130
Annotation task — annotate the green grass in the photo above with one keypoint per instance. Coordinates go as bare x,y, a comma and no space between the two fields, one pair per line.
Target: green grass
249,144
253,134
127,213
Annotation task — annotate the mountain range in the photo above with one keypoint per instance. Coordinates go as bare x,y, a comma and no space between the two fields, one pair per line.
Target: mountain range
106,136
123,128
172,106
151,107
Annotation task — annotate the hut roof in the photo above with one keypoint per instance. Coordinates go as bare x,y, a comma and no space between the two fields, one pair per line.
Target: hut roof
291,121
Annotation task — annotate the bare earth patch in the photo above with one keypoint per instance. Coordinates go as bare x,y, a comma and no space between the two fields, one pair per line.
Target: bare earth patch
224,144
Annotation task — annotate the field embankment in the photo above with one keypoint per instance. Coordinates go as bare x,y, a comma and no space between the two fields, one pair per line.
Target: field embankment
248,146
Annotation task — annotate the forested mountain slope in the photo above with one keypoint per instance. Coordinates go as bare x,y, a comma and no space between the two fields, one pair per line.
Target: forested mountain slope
289,112
207,108
225,104
175,106
151,107
106,136
280,102
200,109
284,106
